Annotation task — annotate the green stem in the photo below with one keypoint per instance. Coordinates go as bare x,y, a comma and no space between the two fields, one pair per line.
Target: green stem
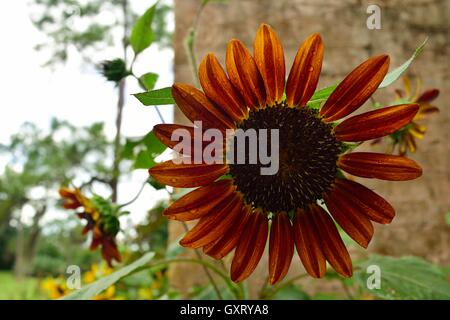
262,291
156,107
208,274
233,287
273,290
346,290
135,197
191,41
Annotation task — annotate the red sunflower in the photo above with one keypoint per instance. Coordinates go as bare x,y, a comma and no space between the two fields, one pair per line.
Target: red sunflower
237,211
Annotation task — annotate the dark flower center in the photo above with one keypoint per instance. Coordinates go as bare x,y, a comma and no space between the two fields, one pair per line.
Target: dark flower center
308,152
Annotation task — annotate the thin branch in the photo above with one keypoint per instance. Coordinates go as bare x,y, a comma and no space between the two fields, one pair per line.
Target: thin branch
95,179
136,196
120,106
159,114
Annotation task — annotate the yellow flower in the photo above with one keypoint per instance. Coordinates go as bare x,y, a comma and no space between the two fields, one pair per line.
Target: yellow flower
54,288
145,294
89,277
405,138
108,294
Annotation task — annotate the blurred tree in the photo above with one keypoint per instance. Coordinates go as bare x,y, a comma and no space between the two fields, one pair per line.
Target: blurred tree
38,163
91,27
62,245
153,233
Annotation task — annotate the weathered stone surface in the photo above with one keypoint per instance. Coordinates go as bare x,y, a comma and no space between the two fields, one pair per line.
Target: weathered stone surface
419,227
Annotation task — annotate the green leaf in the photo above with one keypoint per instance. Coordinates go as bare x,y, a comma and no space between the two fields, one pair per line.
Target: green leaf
155,184
154,146
156,97
128,149
291,292
142,34
405,278
320,96
397,72
144,160
323,93
148,80
93,289
447,218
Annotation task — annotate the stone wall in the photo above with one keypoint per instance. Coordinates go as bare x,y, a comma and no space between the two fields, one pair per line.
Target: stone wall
419,227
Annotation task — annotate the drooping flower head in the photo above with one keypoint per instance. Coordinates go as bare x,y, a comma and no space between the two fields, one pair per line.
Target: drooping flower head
103,227
404,139
236,205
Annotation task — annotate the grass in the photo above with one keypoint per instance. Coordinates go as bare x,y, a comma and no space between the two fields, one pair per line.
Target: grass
13,289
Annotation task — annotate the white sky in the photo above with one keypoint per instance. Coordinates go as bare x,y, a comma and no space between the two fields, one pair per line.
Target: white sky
72,92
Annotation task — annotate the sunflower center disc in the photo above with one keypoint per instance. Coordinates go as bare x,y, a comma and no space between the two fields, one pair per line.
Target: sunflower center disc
308,152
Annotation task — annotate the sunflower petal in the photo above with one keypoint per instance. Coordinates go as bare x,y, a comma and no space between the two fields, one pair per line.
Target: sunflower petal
425,110
380,166
281,247
407,86
166,132
222,246
355,89
213,226
365,201
305,71
219,89
399,93
269,58
200,202
417,130
172,135
187,175
308,245
428,96
349,217
196,107
244,74
332,245
411,141
375,124
250,247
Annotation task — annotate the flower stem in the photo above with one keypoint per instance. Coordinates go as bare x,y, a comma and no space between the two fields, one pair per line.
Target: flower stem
190,42
135,197
208,274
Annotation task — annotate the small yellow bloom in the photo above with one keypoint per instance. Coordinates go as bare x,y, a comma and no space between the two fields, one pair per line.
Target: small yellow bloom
54,288
145,294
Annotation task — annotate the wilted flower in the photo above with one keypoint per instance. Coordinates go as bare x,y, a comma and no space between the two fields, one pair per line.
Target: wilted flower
404,139
103,225
113,70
